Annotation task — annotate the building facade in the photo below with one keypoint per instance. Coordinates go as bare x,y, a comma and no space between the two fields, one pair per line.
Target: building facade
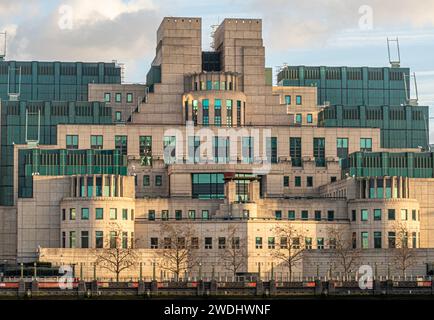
210,156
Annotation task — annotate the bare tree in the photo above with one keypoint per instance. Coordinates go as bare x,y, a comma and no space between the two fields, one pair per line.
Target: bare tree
342,250
403,256
234,253
179,249
291,246
113,257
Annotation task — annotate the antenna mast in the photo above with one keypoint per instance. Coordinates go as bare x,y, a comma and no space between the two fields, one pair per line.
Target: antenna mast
394,63
3,48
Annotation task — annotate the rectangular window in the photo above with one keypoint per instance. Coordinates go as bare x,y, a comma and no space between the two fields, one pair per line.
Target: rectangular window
72,239
205,112
85,239
297,181
271,149
158,181
238,113
194,111
353,215
218,112
414,239
99,213
319,151
63,239
308,243
96,142
205,215
288,100
365,144
146,181
209,85
413,215
151,215
404,215
118,116
258,242
124,240
208,243
365,240
72,214
330,215
391,239
154,243
63,214
320,243
342,149
124,214
121,144
165,215
118,97
278,215
235,243
317,215
113,214
145,150
178,214
286,181
72,141
107,97
247,149
113,240
309,182
309,118
129,97
354,240
222,243
391,214
167,243
291,215
299,100
192,214
271,243
99,239
304,215
229,113
364,215
295,151
195,243
84,213
298,118
377,239
377,214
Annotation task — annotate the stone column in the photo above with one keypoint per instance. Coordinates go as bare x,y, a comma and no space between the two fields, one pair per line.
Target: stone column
392,186
118,186
111,186
367,188
77,187
94,186
230,190
85,185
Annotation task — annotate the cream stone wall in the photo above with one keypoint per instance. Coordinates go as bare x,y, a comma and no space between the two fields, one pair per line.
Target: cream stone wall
39,217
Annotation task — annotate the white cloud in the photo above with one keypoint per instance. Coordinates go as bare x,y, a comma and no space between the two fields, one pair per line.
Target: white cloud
87,12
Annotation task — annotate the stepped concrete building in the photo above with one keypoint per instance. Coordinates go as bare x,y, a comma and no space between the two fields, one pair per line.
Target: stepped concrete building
212,149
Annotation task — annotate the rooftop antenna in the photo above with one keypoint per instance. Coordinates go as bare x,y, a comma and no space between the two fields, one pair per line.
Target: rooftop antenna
14,95
411,101
394,63
3,48
122,66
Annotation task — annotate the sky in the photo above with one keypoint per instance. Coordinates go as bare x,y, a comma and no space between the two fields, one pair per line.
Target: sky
308,32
